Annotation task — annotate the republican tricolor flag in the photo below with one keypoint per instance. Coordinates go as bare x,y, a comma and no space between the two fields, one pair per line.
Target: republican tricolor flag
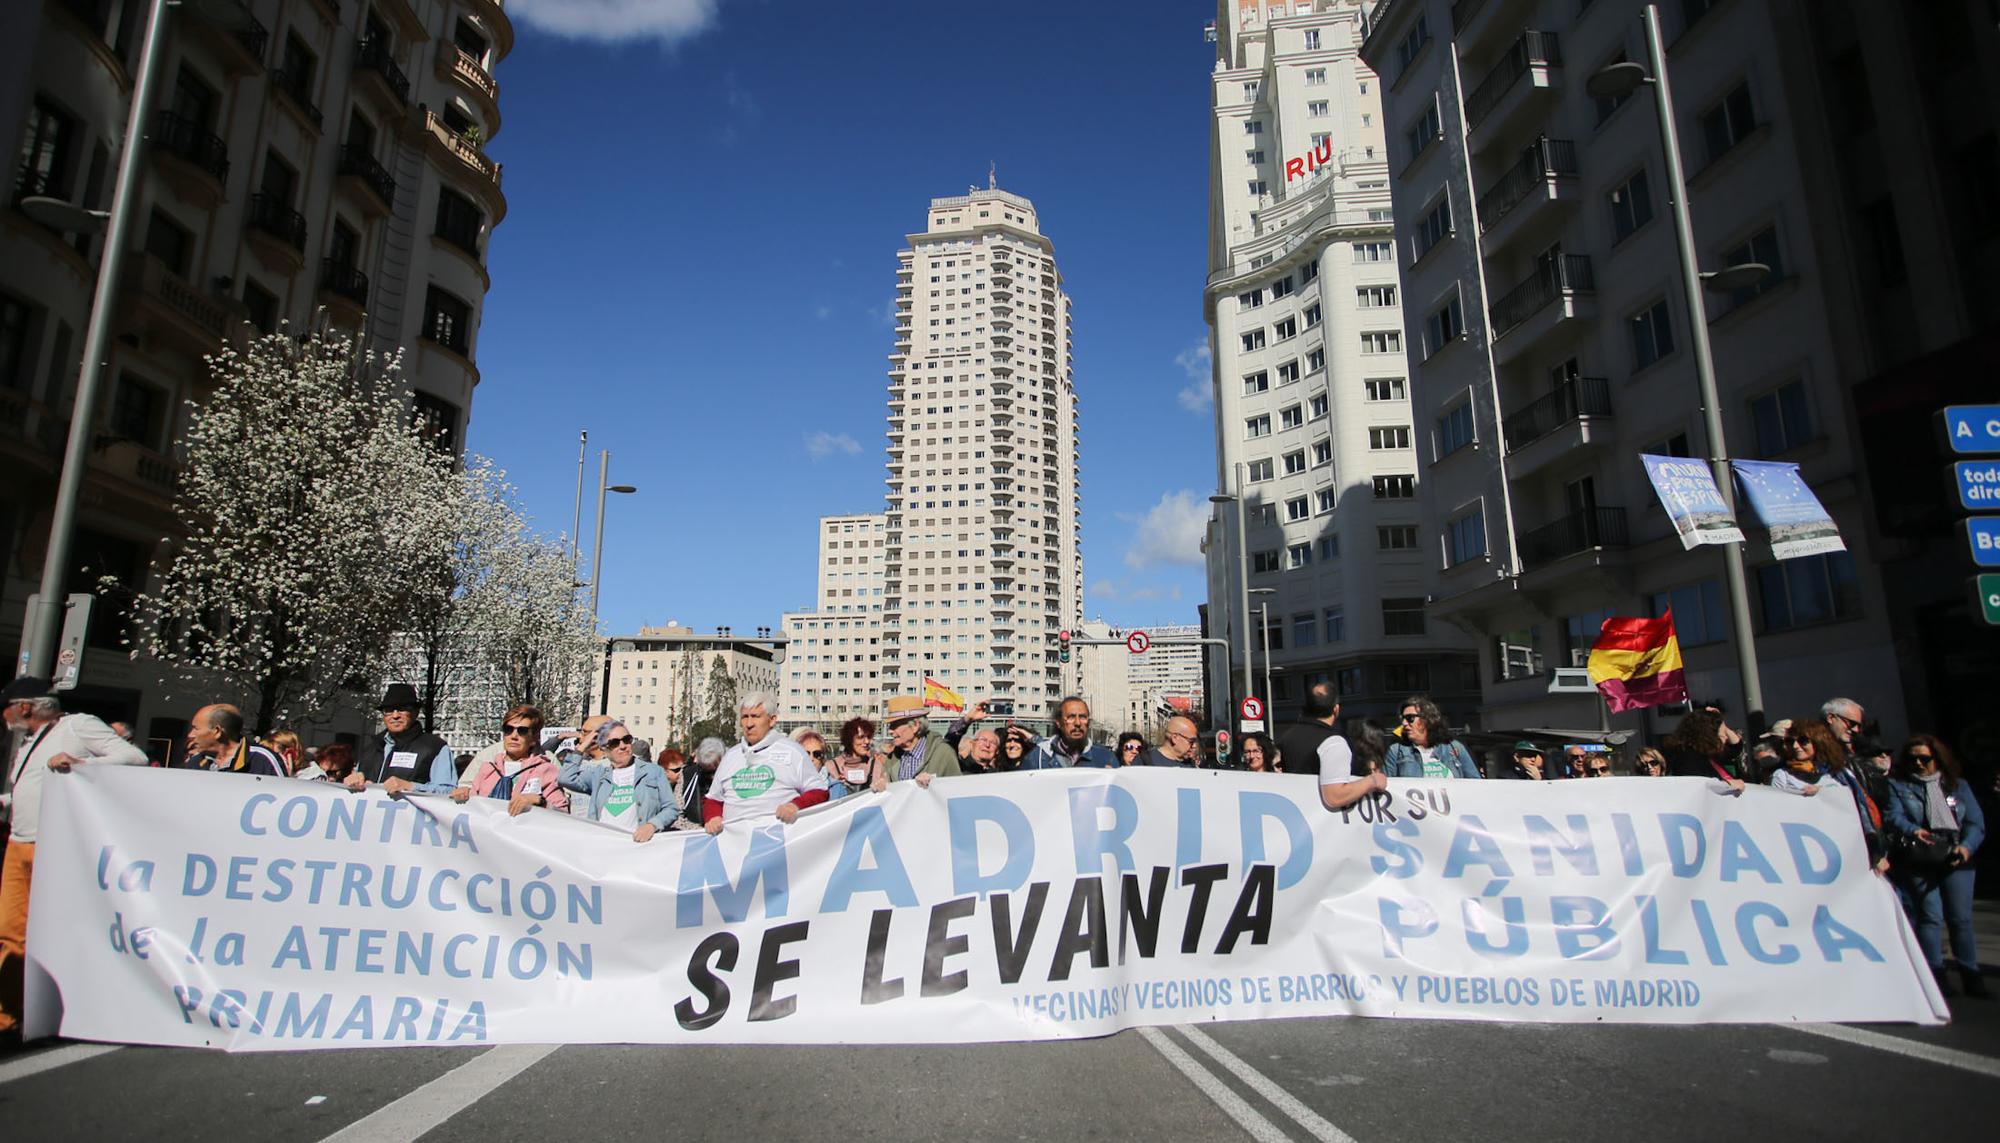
944,698
1637,663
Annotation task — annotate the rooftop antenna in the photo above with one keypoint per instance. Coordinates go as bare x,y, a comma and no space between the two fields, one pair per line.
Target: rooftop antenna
992,175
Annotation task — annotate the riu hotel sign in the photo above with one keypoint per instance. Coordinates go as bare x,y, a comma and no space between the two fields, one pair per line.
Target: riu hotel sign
1300,166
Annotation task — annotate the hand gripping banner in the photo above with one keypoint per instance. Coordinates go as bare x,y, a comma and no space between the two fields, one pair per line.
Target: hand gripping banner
249,913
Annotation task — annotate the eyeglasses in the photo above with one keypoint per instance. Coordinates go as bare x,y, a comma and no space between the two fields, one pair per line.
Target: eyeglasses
1921,759
819,754
523,731
1650,763
1795,743
614,743
1412,717
1129,747
1599,771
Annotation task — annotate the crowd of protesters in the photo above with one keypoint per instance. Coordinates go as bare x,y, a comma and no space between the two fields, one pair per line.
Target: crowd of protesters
1920,817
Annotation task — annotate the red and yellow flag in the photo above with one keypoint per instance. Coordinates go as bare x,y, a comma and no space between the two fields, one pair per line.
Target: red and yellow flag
943,697
1637,663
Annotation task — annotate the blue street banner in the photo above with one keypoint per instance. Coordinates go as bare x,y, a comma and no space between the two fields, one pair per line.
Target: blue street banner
1687,490
1978,484
1781,501
1972,429
260,914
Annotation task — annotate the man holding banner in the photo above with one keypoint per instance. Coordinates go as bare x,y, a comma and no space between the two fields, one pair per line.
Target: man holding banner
765,775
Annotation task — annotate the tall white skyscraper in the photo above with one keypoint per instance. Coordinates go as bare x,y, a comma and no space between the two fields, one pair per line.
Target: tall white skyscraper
1312,406
831,653
982,561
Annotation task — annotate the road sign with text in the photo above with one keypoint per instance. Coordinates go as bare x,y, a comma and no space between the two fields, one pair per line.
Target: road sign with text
1972,429
1982,535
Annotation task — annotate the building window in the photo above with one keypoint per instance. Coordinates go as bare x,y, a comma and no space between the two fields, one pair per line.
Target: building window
1253,341
1373,252
1783,419
1297,508
1403,616
459,222
1399,486
1428,129
1676,445
1808,590
1250,89
1305,630
1256,383
1259,188
1396,538
1386,341
1698,616
47,141
1315,360
138,412
1315,77
1263,562
1727,122
1385,437
1316,109
1454,430
1631,206
1434,228
1319,406
1258,426
1264,514
1323,501
437,420
1518,653
446,319
1312,39
1282,288
1329,546
1608,104
1385,388
1288,373
1298,556
1250,300
1375,297
1286,329
1253,127
1407,678
170,242
1411,45
1291,417
1442,327
1652,335
1465,538
1254,158
262,307
1312,315
1260,470
1335,619
1762,247
1309,272
1295,462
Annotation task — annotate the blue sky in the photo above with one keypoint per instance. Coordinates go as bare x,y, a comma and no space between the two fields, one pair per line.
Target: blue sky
705,200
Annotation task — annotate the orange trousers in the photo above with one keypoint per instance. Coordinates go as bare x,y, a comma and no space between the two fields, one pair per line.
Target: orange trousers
15,873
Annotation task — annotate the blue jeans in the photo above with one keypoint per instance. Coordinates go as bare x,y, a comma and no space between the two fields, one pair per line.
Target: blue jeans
1936,901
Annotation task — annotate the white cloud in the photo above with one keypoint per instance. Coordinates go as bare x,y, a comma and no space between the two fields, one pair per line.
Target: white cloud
822,444
1105,590
1199,393
1170,532
606,21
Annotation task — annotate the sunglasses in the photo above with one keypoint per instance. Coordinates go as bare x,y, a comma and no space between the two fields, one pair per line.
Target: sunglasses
1411,717
1598,771
1649,763
1922,758
614,743
523,731
819,754
1129,747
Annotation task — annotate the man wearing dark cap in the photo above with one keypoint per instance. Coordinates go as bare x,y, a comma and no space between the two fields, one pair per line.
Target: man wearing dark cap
1526,765
51,742
405,756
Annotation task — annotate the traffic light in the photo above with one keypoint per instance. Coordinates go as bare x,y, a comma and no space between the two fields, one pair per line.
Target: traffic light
1062,641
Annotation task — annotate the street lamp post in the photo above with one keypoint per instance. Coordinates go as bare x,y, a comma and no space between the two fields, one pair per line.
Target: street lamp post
1621,79
597,556
1264,631
45,618
1242,566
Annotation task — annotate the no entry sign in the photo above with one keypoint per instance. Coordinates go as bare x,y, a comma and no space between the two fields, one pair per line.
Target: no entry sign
1137,642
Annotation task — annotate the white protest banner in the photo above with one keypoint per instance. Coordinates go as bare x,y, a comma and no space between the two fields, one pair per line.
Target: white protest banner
1688,492
247,913
1783,502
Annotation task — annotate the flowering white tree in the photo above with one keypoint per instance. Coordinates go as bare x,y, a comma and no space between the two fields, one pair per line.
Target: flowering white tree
307,508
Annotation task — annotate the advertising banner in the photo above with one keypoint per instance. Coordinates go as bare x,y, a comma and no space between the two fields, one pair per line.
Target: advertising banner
1687,490
1780,500
232,911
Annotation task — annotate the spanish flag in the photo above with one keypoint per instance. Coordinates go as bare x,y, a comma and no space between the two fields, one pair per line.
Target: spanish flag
938,695
1637,663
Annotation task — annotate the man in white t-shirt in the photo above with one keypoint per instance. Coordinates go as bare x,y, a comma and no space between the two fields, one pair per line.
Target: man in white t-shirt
765,775
1331,755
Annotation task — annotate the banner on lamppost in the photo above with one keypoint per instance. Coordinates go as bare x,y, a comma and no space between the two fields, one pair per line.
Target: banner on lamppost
1686,488
1781,501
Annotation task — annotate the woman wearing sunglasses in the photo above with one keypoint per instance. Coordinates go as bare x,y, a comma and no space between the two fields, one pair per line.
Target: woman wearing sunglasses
1810,752
1427,749
1937,826
1131,744
624,792
515,770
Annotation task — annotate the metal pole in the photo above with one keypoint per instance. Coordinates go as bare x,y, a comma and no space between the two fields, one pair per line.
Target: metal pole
1264,624
576,521
45,620
1736,583
1243,580
597,542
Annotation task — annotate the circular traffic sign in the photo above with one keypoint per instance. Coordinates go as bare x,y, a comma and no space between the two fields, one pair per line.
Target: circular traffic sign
1137,642
1253,708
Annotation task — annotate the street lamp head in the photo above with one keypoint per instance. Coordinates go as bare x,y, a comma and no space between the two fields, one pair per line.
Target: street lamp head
1741,276
1263,591
63,215
621,488
1616,81
1222,498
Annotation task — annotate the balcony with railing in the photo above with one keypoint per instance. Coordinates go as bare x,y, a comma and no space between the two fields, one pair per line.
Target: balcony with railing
362,173
451,147
375,66
1514,204
1560,290
238,38
341,283
168,310
1521,81
463,68
1475,23
1587,530
193,159
296,88
276,230
1554,426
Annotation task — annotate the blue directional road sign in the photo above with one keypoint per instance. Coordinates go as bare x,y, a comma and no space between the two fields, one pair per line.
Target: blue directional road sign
1983,534
1978,484
1973,429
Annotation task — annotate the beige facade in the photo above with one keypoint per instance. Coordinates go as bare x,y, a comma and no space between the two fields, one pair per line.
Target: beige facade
1311,376
983,564
306,162
658,679
1848,145
832,651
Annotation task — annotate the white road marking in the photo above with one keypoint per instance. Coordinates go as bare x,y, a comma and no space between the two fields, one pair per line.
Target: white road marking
443,1097
1916,1050
1263,1085
51,1059
1233,1105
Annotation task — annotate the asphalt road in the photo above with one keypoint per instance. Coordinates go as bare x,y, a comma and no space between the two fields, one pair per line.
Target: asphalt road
1324,1079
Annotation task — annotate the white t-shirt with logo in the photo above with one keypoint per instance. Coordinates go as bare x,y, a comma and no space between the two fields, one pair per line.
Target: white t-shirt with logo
753,781
1336,761
621,802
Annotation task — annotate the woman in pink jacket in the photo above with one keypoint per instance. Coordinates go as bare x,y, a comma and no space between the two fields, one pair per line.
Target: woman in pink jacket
515,769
